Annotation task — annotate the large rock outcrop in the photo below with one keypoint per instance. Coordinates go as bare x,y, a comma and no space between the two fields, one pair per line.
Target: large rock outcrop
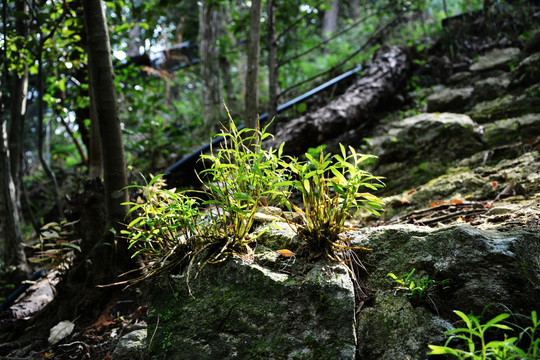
290,309
420,148
483,266
248,311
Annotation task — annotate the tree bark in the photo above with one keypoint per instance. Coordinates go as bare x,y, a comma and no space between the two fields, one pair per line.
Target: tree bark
252,96
273,69
209,31
352,109
9,213
18,109
355,9
13,246
95,160
112,148
330,19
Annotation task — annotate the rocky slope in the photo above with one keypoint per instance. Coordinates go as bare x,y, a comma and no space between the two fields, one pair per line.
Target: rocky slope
463,195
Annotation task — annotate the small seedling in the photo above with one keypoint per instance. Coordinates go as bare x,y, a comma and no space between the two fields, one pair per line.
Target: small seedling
418,290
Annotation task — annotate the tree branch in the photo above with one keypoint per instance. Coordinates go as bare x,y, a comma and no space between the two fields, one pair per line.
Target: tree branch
299,20
338,65
353,25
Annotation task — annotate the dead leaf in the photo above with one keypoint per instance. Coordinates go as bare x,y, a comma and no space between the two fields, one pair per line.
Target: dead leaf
36,296
60,331
437,203
285,253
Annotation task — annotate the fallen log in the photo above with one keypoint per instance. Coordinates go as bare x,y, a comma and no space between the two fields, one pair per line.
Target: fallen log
379,82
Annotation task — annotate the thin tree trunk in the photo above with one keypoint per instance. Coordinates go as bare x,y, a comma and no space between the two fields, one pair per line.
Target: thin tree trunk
18,109
134,41
95,161
209,25
9,214
355,9
273,70
112,148
225,65
330,19
41,110
445,8
252,97
74,139
16,127
42,39
13,245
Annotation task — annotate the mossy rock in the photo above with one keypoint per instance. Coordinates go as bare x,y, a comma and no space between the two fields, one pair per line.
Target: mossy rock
393,329
508,106
460,185
526,73
509,131
422,147
496,59
483,266
247,311
449,99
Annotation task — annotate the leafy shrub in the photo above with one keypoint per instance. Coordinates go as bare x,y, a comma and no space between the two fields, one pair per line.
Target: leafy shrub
474,336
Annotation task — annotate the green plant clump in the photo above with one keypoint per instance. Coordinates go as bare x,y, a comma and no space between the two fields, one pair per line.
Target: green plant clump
477,346
331,189
240,177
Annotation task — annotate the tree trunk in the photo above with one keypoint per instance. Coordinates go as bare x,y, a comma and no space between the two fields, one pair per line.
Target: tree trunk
9,213
134,41
273,70
355,9
330,19
13,246
112,148
18,110
231,96
352,109
253,52
445,8
95,161
209,31
41,111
